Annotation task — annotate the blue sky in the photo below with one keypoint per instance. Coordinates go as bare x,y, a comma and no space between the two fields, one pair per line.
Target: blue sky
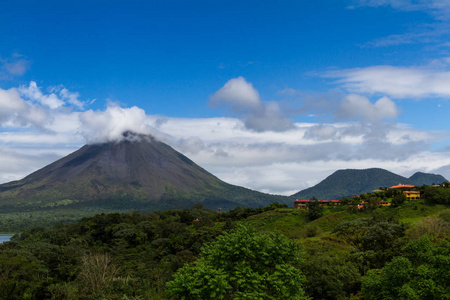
271,95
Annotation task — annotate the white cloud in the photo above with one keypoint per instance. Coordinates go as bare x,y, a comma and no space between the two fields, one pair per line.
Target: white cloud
10,102
281,162
238,93
15,112
276,162
359,107
244,99
396,82
71,98
34,93
109,125
57,97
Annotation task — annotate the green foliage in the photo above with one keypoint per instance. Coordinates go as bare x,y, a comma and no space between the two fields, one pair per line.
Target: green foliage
330,276
242,265
376,240
436,195
144,251
21,275
420,273
315,211
398,200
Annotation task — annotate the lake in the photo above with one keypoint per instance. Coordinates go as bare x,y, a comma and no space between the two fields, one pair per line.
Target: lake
5,237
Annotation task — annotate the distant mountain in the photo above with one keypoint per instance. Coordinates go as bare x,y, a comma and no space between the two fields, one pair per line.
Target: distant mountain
347,183
136,173
420,178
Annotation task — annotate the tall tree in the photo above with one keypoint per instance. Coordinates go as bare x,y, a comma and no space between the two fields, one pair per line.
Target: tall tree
242,265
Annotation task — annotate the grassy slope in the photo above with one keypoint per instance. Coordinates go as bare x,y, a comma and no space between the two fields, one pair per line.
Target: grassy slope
294,223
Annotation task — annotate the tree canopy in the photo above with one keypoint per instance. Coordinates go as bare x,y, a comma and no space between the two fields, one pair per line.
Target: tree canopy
242,265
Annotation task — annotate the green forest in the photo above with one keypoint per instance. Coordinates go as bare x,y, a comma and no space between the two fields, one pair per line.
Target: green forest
276,252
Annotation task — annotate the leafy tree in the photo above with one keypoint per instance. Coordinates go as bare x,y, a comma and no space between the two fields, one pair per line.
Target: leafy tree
373,201
398,200
345,201
242,265
420,273
330,276
21,275
315,211
436,195
376,240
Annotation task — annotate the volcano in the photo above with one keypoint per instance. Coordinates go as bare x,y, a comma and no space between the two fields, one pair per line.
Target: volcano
138,172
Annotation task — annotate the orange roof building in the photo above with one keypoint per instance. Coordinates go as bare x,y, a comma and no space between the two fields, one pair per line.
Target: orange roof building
400,186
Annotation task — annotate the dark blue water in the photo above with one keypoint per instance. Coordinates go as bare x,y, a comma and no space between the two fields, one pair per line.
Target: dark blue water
5,237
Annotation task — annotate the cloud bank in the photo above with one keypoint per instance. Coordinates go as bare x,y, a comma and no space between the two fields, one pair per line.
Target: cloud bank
262,149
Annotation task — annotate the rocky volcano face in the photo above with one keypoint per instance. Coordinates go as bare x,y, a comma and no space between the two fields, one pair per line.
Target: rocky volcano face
138,172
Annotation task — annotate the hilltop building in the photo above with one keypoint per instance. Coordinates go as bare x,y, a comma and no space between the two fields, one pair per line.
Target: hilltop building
402,186
412,195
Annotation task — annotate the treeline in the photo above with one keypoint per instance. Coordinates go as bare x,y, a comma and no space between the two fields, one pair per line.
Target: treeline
203,254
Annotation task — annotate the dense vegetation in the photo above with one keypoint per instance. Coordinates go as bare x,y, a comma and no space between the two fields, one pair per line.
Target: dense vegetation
275,252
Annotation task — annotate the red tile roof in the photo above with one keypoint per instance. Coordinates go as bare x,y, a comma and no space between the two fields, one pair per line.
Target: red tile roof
302,200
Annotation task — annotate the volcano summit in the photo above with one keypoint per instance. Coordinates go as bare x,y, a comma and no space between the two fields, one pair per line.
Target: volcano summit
138,172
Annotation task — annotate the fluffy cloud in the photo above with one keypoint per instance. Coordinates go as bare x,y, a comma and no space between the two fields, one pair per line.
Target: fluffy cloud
238,93
359,107
282,162
15,112
244,99
58,96
109,125
269,161
397,82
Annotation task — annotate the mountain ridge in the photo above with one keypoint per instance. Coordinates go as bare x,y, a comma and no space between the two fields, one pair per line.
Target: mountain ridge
350,182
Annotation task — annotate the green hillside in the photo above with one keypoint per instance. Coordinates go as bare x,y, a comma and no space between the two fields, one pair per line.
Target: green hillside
347,183
340,255
420,178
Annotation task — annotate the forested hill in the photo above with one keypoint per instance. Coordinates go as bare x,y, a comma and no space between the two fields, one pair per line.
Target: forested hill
420,178
276,252
350,182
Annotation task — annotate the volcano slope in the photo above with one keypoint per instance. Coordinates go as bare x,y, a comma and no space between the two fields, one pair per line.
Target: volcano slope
137,173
